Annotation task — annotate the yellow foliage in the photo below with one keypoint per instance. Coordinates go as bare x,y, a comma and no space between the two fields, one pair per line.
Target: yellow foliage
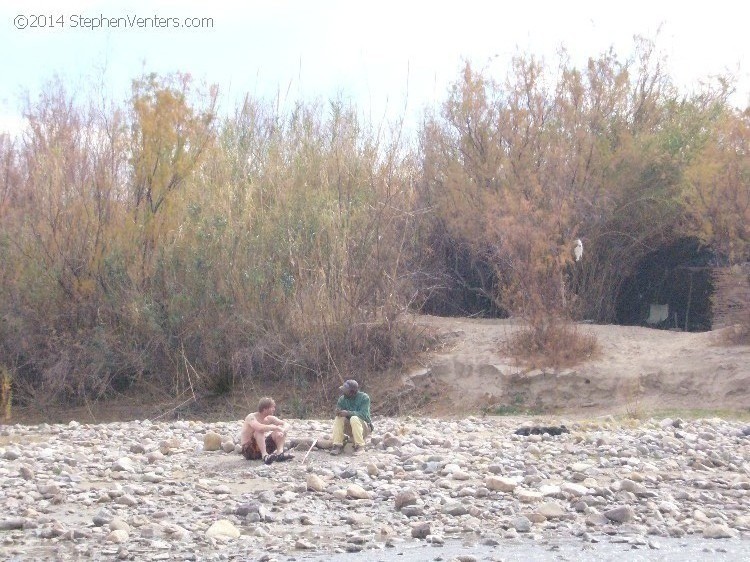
718,194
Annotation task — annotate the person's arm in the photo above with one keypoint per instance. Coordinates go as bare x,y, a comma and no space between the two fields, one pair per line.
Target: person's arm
277,423
340,410
257,426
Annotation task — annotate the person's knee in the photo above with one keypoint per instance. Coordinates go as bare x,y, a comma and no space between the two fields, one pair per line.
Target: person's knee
362,424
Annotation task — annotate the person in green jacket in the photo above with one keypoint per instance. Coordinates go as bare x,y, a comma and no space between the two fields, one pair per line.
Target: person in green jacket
352,417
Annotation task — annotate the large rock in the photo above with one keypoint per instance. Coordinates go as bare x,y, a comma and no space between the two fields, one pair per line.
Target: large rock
500,484
102,517
620,514
211,441
392,442
631,486
575,490
315,483
324,444
528,496
12,524
168,445
357,492
413,510
223,528
407,497
551,510
455,509
522,524
117,536
718,532
358,520
420,530
123,464
119,524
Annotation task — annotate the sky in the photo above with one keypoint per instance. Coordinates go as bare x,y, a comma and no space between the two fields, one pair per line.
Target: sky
390,58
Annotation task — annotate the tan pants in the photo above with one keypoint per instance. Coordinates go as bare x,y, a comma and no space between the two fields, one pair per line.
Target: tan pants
353,427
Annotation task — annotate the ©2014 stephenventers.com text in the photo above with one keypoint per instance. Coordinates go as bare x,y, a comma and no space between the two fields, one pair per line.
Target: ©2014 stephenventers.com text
129,21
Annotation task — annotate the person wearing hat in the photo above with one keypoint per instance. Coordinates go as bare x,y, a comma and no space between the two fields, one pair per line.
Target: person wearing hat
352,417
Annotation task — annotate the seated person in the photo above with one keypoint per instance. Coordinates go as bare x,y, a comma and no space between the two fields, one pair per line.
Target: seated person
263,434
352,417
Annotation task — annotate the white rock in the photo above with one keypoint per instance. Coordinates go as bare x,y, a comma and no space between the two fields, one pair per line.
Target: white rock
528,496
123,464
549,490
575,490
718,532
223,528
551,510
119,523
117,536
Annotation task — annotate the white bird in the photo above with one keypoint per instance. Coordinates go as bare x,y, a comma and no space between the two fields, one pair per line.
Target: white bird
578,250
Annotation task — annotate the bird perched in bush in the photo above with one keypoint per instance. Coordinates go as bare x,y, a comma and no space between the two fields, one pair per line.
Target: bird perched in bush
578,250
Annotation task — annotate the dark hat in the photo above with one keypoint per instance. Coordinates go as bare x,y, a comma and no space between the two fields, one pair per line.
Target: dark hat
349,386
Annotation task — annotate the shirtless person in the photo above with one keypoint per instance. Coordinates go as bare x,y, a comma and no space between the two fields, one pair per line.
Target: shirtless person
263,434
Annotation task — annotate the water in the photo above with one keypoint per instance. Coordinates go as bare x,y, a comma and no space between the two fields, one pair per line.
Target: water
520,550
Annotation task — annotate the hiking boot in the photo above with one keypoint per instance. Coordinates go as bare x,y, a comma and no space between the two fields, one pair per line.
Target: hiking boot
336,449
358,448
284,456
268,459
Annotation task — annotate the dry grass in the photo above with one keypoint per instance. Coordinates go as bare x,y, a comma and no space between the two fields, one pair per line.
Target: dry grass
731,304
6,393
739,334
555,344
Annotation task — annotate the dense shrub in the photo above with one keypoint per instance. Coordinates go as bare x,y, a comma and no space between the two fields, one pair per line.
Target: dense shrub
155,242
161,244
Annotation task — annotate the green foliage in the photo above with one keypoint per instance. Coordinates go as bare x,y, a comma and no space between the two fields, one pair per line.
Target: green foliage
516,407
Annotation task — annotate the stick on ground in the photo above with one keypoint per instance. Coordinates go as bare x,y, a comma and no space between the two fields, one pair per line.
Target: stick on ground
315,441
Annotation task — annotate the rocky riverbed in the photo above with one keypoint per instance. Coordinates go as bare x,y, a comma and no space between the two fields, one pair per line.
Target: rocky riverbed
180,490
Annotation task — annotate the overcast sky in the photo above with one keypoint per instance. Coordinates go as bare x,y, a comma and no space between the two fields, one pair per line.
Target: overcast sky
384,55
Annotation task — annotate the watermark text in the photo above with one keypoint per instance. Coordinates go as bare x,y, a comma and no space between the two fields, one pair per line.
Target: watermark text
100,21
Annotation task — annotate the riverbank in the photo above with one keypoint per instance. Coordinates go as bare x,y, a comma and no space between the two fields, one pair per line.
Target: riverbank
179,490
